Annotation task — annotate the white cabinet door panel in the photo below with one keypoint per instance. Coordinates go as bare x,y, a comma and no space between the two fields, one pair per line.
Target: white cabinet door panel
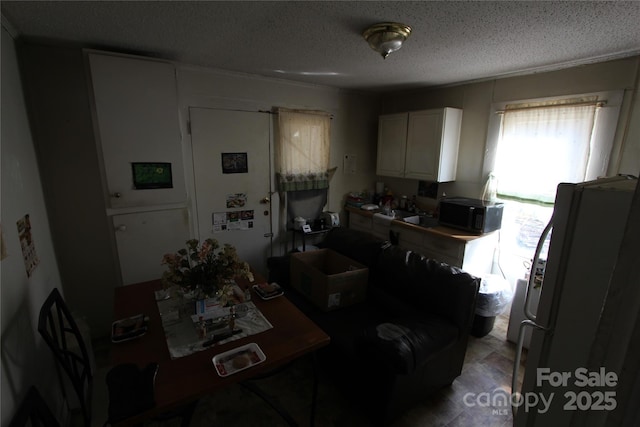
136,112
143,238
392,136
360,222
445,246
420,144
423,145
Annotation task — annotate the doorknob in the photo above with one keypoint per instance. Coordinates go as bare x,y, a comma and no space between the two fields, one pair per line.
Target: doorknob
121,227
117,195
265,200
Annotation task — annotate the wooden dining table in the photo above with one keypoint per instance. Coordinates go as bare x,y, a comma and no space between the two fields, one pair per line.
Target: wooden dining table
183,380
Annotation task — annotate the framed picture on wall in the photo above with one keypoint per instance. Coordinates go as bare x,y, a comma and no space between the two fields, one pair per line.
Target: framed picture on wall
151,175
234,163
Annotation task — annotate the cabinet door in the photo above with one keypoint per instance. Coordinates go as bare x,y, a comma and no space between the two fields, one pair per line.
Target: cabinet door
424,136
360,222
409,239
136,113
392,136
443,249
432,144
143,238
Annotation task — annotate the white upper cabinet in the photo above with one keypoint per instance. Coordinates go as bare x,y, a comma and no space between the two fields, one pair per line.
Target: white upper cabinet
420,144
392,143
138,133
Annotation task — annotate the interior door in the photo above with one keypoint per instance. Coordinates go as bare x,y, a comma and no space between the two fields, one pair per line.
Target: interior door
231,168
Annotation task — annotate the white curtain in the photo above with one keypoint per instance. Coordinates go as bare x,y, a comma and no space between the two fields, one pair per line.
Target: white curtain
302,151
540,147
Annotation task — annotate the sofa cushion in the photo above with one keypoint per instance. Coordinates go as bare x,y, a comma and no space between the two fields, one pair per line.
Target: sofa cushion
404,344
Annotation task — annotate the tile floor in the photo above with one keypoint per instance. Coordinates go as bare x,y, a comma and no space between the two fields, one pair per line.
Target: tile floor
488,369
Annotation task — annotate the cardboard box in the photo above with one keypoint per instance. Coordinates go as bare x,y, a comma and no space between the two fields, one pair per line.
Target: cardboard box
328,279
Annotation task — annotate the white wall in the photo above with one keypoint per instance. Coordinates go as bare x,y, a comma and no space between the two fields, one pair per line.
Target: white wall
353,127
25,359
59,106
58,103
476,98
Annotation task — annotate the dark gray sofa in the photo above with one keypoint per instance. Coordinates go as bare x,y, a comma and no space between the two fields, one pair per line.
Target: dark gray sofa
408,339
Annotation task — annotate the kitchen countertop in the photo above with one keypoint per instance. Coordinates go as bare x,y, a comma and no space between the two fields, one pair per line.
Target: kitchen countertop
440,230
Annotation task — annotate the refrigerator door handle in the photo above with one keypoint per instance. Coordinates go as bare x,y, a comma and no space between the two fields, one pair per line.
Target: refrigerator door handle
516,364
527,310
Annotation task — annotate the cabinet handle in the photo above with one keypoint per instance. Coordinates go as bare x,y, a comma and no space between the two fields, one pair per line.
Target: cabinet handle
121,228
117,195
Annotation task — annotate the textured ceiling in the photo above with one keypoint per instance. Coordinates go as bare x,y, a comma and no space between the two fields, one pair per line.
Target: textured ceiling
320,41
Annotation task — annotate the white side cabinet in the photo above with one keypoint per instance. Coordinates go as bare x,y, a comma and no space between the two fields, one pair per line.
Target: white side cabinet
419,144
137,129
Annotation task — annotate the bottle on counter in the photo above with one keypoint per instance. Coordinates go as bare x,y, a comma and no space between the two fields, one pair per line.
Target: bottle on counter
387,208
403,202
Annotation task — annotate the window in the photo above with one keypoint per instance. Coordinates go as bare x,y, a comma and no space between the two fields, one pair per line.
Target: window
541,146
537,145
302,152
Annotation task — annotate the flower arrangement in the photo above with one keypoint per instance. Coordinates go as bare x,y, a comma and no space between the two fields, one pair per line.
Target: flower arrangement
207,266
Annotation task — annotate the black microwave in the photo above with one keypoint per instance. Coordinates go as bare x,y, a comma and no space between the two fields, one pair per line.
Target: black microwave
472,215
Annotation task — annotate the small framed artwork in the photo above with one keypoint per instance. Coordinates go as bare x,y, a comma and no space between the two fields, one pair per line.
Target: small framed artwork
234,163
151,175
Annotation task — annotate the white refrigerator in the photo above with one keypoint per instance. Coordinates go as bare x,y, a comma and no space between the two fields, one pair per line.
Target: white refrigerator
587,229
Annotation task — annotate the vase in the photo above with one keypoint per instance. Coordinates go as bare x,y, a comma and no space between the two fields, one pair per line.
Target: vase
190,298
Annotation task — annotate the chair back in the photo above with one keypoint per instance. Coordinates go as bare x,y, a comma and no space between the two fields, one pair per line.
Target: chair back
34,412
61,333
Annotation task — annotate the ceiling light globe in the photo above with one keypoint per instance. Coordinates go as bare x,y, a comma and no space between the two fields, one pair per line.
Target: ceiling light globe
386,37
385,47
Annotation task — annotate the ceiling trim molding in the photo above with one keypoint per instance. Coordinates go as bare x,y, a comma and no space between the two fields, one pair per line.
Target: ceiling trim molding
538,70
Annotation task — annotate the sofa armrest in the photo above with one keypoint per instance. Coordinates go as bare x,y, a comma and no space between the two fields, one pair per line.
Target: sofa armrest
402,345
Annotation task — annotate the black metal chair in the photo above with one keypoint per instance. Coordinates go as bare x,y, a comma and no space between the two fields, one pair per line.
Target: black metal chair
34,412
61,333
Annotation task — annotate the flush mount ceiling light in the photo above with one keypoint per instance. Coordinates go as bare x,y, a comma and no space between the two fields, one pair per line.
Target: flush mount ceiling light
386,37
